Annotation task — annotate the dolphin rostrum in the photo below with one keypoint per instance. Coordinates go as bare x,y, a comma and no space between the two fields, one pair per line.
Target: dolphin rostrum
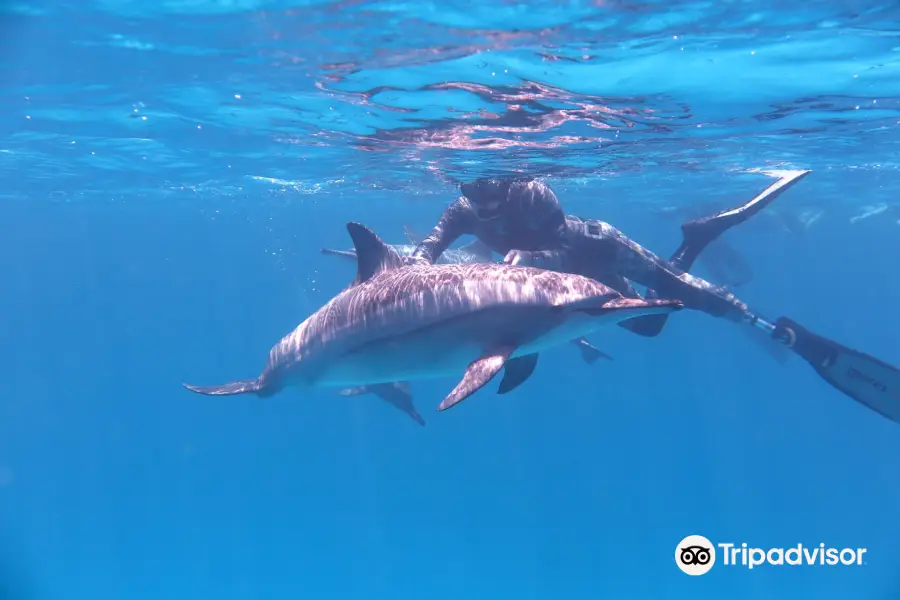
405,322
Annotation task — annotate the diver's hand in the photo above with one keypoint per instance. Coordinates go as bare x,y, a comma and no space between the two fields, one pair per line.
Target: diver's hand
519,258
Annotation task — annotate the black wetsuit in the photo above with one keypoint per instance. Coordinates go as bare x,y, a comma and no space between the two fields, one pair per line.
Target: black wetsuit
531,219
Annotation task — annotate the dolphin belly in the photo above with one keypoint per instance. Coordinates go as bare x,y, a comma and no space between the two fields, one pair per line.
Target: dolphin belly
414,357
442,349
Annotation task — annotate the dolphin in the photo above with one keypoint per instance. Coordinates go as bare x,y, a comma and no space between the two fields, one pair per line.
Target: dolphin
406,322
477,252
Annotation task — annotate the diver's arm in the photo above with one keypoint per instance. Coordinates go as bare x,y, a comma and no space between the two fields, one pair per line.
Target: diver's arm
455,222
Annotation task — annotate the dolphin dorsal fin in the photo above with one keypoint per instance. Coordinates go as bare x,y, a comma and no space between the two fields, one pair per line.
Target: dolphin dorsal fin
372,255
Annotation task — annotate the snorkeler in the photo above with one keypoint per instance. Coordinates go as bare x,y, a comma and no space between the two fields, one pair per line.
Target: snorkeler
522,219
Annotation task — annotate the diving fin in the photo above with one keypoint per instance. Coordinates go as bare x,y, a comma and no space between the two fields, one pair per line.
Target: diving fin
700,233
866,379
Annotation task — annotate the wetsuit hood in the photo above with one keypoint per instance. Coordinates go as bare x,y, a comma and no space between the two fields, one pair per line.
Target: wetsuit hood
486,196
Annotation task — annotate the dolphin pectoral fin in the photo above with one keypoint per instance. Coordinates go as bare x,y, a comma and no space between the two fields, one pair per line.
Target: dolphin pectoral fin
590,353
228,389
477,375
409,409
516,372
398,395
415,416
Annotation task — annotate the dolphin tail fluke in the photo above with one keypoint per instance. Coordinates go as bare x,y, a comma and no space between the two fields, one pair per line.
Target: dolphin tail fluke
249,386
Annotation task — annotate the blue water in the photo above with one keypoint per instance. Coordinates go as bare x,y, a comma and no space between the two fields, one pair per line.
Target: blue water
170,170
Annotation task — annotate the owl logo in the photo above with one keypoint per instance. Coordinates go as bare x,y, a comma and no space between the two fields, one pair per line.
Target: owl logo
695,555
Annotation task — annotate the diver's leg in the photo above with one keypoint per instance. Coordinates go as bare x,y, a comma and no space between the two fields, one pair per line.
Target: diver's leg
629,259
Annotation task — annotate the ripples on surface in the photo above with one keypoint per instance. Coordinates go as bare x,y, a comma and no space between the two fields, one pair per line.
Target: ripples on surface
390,95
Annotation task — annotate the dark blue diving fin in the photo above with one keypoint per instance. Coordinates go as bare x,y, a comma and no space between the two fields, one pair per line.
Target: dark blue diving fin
868,380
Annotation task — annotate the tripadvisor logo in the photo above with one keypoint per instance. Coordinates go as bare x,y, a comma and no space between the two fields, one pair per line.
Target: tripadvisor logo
696,555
